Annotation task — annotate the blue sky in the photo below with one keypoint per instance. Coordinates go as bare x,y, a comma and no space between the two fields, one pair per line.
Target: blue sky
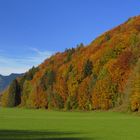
32,30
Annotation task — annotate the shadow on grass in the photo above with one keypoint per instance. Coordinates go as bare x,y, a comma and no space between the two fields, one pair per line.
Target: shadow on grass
38,135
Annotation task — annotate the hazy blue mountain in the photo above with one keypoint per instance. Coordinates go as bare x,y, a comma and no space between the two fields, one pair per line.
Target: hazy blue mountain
6,80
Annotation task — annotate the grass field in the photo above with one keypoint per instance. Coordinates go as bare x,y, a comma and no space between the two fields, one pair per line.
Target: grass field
24,124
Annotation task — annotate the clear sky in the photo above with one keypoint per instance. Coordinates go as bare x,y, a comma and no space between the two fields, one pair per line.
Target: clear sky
32,30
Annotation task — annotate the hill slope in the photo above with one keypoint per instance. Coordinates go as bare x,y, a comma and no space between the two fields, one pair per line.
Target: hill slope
6,80
87,77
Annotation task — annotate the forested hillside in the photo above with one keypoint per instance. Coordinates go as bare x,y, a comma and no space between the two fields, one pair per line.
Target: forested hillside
86,77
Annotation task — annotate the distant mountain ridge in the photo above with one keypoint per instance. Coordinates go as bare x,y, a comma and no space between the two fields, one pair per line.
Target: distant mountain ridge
6,80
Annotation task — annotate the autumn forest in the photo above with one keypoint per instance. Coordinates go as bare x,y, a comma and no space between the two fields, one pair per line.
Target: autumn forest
100,76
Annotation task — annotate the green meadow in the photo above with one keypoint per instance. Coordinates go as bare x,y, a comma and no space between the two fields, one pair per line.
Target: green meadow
28,124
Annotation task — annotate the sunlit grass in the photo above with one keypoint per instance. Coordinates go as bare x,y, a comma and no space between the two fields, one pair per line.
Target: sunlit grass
16,124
